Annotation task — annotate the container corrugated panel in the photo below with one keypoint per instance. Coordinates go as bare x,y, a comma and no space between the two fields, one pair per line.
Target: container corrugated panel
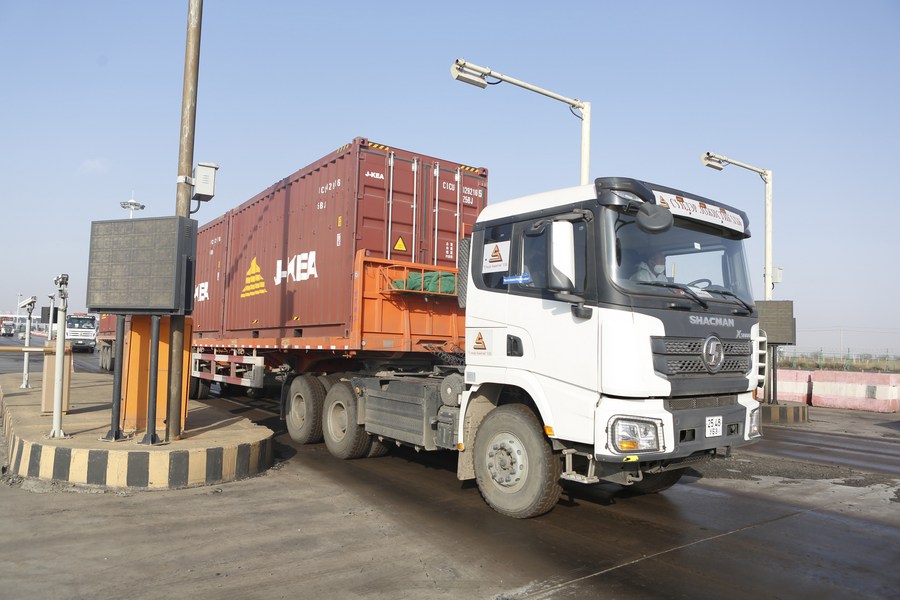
291,248
209,291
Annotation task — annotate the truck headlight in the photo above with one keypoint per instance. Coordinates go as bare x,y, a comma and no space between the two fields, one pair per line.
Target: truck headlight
635,435
755,430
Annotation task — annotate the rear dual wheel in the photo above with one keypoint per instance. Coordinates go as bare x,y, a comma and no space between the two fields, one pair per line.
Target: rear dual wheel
304,414
344,436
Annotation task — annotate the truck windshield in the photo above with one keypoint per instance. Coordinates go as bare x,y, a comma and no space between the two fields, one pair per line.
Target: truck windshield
81,323
692,259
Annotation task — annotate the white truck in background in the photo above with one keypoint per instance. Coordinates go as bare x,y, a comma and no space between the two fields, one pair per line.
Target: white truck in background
81,331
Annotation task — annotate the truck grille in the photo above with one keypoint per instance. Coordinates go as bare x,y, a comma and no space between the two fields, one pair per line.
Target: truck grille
674,404
681,356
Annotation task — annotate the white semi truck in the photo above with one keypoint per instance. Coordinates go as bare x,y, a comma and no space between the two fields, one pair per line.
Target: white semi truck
604,332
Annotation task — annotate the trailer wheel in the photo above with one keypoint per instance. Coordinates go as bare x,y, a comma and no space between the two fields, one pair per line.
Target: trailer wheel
344,437
202,391
656,482
304,411
516,470
202,388
193,388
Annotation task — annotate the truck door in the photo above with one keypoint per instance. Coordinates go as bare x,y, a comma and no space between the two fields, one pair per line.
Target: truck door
547,341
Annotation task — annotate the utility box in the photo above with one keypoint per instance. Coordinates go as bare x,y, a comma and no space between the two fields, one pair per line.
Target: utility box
204,181
49,383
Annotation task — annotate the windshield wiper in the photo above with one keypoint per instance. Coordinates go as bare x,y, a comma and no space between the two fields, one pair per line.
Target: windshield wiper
732,295
677,286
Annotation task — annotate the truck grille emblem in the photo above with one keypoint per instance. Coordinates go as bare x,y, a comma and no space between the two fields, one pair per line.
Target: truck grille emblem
713,354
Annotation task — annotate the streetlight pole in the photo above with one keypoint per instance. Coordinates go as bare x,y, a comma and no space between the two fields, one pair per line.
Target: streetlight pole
464,71
718,162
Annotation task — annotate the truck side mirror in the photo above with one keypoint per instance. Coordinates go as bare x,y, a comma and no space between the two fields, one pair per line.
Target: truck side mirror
562,257
653,218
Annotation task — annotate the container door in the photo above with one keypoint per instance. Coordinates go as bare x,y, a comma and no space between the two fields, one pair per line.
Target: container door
390,189
446,213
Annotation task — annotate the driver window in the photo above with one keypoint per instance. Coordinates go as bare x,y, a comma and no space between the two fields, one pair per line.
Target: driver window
534,259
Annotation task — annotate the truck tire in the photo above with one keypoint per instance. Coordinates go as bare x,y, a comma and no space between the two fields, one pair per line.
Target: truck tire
328,381
656,482
378,448
203,388
193,388
515,467
304,410
344,437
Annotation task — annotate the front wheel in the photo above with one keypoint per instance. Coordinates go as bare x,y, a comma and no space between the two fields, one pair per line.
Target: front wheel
515,467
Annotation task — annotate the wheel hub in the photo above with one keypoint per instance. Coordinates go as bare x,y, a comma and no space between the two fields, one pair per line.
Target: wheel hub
507,462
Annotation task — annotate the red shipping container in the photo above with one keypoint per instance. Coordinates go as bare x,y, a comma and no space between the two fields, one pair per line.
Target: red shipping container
282,265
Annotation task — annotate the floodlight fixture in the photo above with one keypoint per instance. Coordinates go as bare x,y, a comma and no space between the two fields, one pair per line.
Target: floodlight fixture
476,75
718,162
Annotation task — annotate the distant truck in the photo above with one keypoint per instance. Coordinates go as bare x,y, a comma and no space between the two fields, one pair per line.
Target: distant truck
7,329
604,332
81,331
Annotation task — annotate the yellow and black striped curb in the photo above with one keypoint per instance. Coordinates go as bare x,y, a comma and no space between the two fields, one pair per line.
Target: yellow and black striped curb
142,469
223,449
786,414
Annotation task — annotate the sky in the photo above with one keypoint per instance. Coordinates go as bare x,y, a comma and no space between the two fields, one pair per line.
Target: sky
91,98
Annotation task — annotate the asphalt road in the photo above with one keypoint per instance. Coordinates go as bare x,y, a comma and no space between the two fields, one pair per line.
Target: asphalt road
85,362
756,525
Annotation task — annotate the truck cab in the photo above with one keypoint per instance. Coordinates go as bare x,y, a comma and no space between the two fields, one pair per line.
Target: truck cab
81,331
621,315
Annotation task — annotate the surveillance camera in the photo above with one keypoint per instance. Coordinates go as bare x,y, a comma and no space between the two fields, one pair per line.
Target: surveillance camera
61,280
28,303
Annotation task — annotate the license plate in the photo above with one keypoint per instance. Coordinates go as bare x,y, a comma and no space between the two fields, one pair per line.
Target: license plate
713,426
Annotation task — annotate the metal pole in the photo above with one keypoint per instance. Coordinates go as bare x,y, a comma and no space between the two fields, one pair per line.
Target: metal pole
767,176
151,438
57,431
585,143
25,385
50,319
183,204
114,433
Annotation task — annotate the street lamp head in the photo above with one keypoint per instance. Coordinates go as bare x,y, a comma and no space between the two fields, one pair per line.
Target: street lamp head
458,73
712,161
132,205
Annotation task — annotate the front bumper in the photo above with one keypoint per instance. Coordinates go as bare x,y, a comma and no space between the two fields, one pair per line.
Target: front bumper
683,427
